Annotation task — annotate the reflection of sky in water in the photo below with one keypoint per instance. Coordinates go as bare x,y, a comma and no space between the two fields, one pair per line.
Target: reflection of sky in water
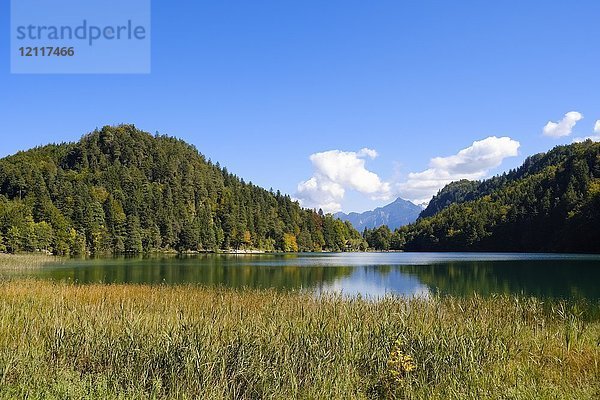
372,282
377,259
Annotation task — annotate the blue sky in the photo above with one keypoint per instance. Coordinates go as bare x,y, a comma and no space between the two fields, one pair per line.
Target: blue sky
261,86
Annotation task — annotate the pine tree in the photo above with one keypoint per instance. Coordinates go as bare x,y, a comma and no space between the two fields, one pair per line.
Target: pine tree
133,238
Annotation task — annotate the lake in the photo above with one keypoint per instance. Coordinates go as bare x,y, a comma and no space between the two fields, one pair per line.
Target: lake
369,274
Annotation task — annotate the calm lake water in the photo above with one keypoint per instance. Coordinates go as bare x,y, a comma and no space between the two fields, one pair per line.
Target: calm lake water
371,274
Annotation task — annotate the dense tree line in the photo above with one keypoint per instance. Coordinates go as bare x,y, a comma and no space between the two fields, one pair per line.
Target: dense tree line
122,190
382,238
551,203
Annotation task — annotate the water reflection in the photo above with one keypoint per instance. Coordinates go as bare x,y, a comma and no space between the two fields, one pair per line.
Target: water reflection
377,281
575,278
209,270
371,274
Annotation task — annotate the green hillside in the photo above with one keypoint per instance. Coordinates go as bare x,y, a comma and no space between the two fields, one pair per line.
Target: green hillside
551,203
122,190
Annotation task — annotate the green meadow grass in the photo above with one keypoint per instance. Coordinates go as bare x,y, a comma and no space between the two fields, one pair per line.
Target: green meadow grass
132,341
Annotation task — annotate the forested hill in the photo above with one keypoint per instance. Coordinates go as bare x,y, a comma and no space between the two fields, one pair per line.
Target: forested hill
465,190
551,203
122,190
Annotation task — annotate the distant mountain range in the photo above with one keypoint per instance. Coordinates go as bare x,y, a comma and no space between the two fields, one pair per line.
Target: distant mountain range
399,213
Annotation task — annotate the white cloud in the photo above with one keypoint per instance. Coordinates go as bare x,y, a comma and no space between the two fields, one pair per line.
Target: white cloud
564,127
335,171
474,162
595,138
369,152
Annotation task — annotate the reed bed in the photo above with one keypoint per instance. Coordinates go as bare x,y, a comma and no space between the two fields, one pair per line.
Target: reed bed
24,262
60,340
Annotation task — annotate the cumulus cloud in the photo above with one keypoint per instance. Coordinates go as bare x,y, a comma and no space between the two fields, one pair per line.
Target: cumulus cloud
368,152
595,138
336,171
564,127
474,162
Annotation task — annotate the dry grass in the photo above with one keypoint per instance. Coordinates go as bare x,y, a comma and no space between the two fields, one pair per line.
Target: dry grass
126,341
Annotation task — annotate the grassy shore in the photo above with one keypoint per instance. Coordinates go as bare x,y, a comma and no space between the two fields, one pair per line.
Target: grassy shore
126,341
20,262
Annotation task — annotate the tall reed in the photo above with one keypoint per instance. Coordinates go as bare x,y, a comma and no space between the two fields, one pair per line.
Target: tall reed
132,341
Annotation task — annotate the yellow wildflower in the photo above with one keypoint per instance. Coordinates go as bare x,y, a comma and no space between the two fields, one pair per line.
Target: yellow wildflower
400,364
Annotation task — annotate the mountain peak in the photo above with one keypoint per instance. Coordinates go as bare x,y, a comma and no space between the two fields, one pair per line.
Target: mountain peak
398,213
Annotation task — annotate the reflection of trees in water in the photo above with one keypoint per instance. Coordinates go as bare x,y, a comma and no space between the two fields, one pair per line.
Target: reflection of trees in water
384,269
542,278
210,270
